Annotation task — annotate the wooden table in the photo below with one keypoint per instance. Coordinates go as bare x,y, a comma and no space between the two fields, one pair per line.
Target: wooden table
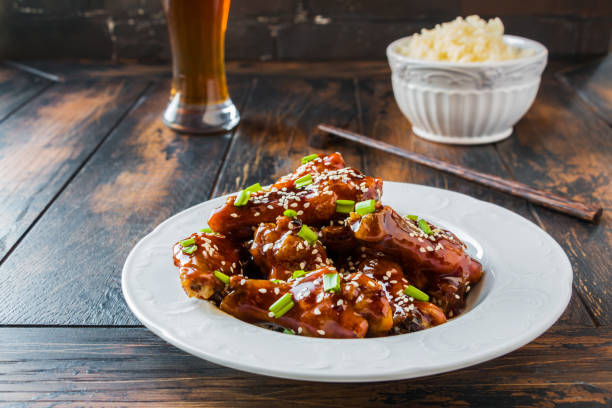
87,169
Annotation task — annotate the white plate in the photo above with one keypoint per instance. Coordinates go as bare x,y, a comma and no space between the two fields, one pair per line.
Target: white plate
526,287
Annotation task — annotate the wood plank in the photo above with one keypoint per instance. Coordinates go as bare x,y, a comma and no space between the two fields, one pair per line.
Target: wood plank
17,88
132,367
70,71
382,119
45,143
562,146
142,174
593,82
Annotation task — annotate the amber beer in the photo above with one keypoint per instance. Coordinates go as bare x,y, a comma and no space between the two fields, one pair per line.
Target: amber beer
199,100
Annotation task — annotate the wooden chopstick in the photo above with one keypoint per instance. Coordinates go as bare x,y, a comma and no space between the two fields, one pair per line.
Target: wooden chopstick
564,205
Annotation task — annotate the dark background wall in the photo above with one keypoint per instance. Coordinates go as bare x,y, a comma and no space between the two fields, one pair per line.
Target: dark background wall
134,30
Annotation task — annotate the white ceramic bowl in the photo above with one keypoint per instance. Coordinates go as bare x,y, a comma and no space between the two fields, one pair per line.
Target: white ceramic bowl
466,103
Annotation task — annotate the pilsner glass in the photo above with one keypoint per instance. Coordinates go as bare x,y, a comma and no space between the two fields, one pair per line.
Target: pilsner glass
199,100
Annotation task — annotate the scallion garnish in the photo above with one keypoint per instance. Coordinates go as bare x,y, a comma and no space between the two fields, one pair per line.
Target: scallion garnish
187,242
308,234
290,213
242,199
331,282
345,206
298,274
308,158
365,207
254,188
282,305
206,230
190,249
222,277
412,217
424,226
416,293
303,181
288,331
276,280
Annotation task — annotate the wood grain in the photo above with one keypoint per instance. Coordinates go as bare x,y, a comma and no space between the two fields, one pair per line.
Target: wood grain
78,70
561,146
17,88
141,175
593,82
132,367
44,144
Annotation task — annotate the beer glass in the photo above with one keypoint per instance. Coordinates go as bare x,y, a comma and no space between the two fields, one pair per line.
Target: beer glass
199,100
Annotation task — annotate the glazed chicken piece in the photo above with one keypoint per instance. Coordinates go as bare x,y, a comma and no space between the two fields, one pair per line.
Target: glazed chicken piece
436,262
352,311
279,250
212,252
315,203
409,314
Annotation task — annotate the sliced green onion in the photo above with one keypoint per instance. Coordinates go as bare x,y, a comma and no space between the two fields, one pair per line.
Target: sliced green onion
276,280
290,213
412,217
308,234
282,305
207,230
190,249
308,158
187,242
254,188
345,206
365,207
425,227
288,331
303,181
331,282
298,274
416,293
242,199
222,277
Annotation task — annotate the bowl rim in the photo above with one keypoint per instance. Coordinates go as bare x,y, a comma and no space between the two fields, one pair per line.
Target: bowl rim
540,52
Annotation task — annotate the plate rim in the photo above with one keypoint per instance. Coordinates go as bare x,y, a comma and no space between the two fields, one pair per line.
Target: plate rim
400,373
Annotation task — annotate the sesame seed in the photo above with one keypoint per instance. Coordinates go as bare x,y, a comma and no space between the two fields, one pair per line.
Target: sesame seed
257,214
276,291
262,290
242,281
306,205
321,332
234,215
393,281
422,249
270,207
270,314
300,329
339,303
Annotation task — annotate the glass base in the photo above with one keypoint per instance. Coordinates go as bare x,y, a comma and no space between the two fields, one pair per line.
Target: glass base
181,117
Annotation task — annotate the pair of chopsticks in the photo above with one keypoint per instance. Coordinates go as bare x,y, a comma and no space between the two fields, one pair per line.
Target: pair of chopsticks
549,200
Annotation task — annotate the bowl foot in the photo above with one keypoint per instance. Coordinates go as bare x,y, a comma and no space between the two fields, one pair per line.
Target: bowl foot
462,140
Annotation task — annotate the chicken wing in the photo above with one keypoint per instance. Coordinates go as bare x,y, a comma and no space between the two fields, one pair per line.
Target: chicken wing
409,314
212,252
278,250
436,262
315,203
352,311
